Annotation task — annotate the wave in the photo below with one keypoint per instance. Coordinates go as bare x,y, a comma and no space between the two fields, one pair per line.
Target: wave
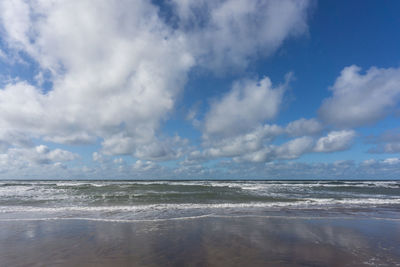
142,196
251,184
305,203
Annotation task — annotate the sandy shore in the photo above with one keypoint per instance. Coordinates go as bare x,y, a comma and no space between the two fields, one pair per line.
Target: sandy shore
210,241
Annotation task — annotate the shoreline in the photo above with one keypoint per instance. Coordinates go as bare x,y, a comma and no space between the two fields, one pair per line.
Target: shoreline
215,216
206,241
202,180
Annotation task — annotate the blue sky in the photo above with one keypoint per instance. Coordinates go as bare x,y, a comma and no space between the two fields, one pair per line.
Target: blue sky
199,89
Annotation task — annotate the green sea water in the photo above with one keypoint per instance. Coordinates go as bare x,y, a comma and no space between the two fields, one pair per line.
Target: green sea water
152,200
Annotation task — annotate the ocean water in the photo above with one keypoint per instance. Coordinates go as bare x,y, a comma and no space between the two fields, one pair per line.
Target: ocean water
166,200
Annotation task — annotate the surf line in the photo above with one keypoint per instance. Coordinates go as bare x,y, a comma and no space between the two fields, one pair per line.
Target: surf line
200,217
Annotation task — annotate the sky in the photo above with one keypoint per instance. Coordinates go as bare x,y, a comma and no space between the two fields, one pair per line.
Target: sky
197,89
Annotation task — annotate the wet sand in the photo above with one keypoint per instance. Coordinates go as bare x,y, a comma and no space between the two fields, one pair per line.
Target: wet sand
209,241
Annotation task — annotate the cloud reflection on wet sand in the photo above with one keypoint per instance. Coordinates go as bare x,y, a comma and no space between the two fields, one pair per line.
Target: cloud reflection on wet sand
202,242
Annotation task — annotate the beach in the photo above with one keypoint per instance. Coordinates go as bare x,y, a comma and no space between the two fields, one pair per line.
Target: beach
199,133
199,223
207,241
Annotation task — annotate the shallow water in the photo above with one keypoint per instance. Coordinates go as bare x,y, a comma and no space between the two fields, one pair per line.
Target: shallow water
208,241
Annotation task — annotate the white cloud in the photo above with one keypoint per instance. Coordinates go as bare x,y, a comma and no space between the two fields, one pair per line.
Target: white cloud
393,147
232,32
3,56
165,149
369,162
391,161
42,149
295,148
141,165
242,144
61,155
335,141
265,154
289,150
16,16
359,99
39,155
119,161
303,126
387,142
117,67
10,138
232,127
374,169
96,156
246,106
107,76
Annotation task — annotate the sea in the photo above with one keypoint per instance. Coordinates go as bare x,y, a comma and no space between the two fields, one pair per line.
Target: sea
109,200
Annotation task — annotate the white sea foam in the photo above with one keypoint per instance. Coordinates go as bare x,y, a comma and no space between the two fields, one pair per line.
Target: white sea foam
305,203
184,218
251,185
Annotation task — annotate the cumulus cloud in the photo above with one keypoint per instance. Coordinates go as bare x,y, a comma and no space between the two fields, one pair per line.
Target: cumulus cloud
118,67
241,144
387,142
292,149
384,169
96,156
141,165
165,149
362,98
295,148
40,155
303,126
389,148
244,107
371,169
233,126
335,141
106,75
391,161
232,32
118,161
10,138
